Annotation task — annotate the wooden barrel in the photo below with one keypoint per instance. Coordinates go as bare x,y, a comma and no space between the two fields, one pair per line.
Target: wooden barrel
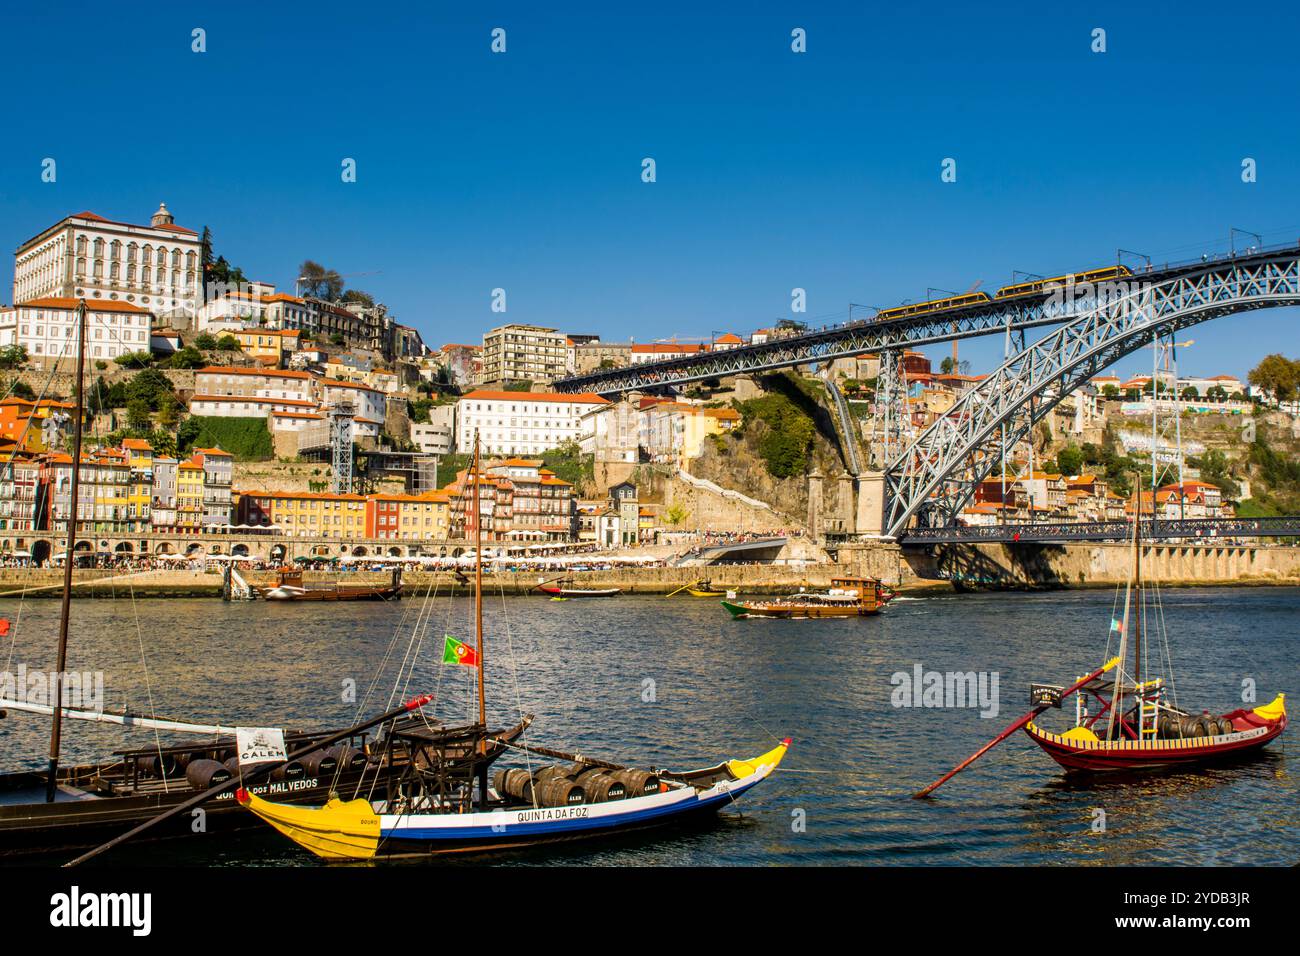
163,765
1167,727
293,770
232,764
1200,727
203,774
599,786
638,782
1225,726
320,763
558,791
552,773
347,757
515,783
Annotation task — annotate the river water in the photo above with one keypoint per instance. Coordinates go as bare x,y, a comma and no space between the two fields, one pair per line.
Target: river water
674,682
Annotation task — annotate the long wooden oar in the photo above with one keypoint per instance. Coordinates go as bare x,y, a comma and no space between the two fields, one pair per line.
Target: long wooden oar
1016,725
260,770
682,588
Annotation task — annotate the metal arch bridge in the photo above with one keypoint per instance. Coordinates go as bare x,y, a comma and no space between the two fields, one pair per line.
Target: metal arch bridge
936,476
1013,315
1199,531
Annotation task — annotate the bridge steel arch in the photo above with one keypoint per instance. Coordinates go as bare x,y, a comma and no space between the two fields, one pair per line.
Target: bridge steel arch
991,317
933,478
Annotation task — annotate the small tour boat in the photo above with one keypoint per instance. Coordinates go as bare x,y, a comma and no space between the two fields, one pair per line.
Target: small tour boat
443,806
705,592
563,590
847,597
289,587
1125,722
699,589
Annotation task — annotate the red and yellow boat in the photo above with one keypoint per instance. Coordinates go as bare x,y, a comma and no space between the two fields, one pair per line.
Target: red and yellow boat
1125,722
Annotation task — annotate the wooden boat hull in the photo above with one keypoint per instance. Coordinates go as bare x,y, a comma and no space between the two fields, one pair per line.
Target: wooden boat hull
355,830
697,592
740,610
580,593
1251,732
341,593
80,820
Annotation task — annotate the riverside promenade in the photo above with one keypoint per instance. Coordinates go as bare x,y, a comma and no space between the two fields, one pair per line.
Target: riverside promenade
934,570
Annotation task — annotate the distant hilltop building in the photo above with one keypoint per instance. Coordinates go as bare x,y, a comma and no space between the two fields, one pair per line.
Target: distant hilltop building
157,267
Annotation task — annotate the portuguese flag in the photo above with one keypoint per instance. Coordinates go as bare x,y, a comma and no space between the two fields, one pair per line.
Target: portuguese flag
456,652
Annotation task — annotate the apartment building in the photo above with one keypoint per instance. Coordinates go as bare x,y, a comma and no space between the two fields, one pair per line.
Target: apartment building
523,353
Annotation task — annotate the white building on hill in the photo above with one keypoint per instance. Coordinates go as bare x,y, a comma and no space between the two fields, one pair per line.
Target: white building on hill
521,423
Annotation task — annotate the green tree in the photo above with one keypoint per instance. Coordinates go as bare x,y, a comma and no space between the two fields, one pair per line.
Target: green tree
1278,375
675,515
149,386
1217,393
205,341
163,443
786,440
137,415
320,282
13,356
141,359
1069,461
188,357
228,343
169,410
569,463
20,389
186,434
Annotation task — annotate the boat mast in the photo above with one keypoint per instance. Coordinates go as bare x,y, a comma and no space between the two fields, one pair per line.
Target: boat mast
56,725
478,587
1117,698
1138,607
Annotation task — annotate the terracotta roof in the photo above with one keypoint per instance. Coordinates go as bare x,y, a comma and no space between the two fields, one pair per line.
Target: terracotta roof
232,370
425,496
136,444
662,348
114,222
728,338
307,495
92,305
253,399
339,383
212,451
282,332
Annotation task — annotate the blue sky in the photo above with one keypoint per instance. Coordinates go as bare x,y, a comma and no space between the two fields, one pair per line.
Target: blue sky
775,170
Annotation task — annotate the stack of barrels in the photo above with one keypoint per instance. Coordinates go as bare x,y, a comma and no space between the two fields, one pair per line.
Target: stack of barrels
203,774
569,785
1184,727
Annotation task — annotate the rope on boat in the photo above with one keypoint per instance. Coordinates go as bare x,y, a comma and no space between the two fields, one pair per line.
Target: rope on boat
514,674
